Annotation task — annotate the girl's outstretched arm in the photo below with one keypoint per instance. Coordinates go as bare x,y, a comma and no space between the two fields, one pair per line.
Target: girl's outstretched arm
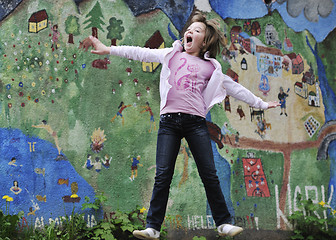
98,47
131,52
273,104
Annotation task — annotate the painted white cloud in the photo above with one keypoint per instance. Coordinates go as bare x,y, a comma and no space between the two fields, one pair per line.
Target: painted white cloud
203,5
312,9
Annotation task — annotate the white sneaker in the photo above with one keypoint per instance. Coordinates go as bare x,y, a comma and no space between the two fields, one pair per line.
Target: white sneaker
148,233
229,230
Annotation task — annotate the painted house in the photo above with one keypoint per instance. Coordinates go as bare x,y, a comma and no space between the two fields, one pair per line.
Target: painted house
38,21
269,60
233,50
255,29
271,35
154,42
234,33
232,74
288,46
314,98
244,41
297,65
309,77
301,89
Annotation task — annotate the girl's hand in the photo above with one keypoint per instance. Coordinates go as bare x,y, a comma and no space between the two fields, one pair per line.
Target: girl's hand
273,104
98,46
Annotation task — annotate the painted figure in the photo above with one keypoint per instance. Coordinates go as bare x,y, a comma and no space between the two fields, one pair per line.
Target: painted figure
121,108
282,97
147,108
88,163
97,165
15,189
134,167
48,128
55,35
107,161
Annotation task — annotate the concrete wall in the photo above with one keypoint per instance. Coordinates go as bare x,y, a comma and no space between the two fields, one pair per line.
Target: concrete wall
59,107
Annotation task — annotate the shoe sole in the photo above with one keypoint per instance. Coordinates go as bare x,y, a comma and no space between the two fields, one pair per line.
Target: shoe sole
140,235
232,233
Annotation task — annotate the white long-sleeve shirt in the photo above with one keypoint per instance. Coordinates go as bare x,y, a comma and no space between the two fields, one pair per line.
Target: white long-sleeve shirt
217,88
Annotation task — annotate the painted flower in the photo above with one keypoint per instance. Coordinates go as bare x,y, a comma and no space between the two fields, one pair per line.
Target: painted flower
20,84
43,92
9,96
5,197
23,104
21,94
29,98
9,199
36,100
33,84
8,86
9,105
322,203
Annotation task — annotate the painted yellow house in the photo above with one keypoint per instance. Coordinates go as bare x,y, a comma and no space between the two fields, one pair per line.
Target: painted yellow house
154,42
38,21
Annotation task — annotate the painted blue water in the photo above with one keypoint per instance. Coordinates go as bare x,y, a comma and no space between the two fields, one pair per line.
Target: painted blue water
329,102
38,176
224,174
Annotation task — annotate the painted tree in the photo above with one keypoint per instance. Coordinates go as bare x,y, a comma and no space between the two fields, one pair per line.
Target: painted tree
72,27
114,30
94,21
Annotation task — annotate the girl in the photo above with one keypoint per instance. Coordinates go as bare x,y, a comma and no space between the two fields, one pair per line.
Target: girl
191,82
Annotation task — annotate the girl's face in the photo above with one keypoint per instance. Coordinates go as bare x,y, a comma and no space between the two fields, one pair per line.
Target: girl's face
194,38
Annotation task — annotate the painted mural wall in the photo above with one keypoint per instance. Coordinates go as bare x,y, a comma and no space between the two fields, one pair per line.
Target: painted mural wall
74,125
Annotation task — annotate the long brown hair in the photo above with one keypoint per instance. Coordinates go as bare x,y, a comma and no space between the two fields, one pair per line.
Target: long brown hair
214,37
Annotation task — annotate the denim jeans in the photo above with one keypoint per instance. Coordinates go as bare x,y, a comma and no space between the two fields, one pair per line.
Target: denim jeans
173,127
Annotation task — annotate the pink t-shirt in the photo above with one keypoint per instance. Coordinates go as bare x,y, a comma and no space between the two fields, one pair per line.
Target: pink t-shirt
189,76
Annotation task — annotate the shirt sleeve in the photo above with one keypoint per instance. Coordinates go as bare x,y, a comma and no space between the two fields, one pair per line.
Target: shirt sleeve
241,93
140,53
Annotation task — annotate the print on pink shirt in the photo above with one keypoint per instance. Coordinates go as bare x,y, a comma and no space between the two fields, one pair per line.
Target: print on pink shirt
188,81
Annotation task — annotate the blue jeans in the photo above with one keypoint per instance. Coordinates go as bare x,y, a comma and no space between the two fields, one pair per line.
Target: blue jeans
173,127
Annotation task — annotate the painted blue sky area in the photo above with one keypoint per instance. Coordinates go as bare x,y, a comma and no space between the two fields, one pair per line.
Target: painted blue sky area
43,180
179,11
249,9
